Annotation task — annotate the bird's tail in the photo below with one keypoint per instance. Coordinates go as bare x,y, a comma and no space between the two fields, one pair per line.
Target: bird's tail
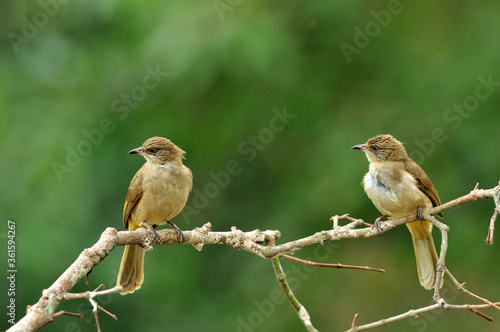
425,252
131,274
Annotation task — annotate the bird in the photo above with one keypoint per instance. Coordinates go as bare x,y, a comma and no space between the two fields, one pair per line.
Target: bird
157,193
399,187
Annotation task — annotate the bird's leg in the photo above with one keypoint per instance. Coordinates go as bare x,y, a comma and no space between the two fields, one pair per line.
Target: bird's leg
420,214
377,225
151,230
178,230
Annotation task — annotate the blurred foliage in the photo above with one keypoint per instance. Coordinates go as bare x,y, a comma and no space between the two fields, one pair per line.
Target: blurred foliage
223,70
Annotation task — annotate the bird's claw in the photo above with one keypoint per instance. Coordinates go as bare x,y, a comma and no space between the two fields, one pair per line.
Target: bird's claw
180,235
154,233
420,214
377,225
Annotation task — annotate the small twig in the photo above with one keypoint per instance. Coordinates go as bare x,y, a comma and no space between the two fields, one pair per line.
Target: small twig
441,304
488,318
491,229
474,195
107,312
62,312
472,308
353,325
382,322
96,317
338,266
496,197
89,295
96,306
441,266
99,287
87,278
417,312
335,219
297,306
354,222
461,287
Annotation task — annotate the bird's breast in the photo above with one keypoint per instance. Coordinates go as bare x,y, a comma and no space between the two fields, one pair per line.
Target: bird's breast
165,192
393,191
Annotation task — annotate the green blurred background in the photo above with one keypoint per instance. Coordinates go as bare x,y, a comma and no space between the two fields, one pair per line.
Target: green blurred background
78,94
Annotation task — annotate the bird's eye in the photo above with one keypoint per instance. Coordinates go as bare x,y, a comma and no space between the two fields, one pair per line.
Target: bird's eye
152,150
375,148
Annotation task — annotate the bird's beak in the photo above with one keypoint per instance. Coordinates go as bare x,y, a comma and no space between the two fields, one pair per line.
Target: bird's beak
136,151
359,147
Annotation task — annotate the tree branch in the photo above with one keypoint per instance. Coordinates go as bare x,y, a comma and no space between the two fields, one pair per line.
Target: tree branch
491,230
43,312
297,306
337,266
415,312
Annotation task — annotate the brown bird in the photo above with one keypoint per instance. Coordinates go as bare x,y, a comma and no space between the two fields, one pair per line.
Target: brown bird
398,187
157,193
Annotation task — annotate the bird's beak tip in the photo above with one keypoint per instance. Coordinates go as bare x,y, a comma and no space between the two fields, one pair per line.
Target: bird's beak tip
359,147
136,151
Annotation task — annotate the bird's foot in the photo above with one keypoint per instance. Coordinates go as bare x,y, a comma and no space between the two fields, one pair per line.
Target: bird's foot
178,230
377,225
420,214
154,233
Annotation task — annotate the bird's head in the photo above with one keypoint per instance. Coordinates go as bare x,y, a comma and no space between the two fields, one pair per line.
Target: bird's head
159,150
383,148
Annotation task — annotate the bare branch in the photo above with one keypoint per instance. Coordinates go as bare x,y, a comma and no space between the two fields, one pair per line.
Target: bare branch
474,195
61,313
416,312
297,306
353,325
442,255
491,229
337,266
462,288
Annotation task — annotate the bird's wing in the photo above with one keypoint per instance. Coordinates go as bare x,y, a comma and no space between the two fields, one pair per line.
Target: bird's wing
134,194
423,182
